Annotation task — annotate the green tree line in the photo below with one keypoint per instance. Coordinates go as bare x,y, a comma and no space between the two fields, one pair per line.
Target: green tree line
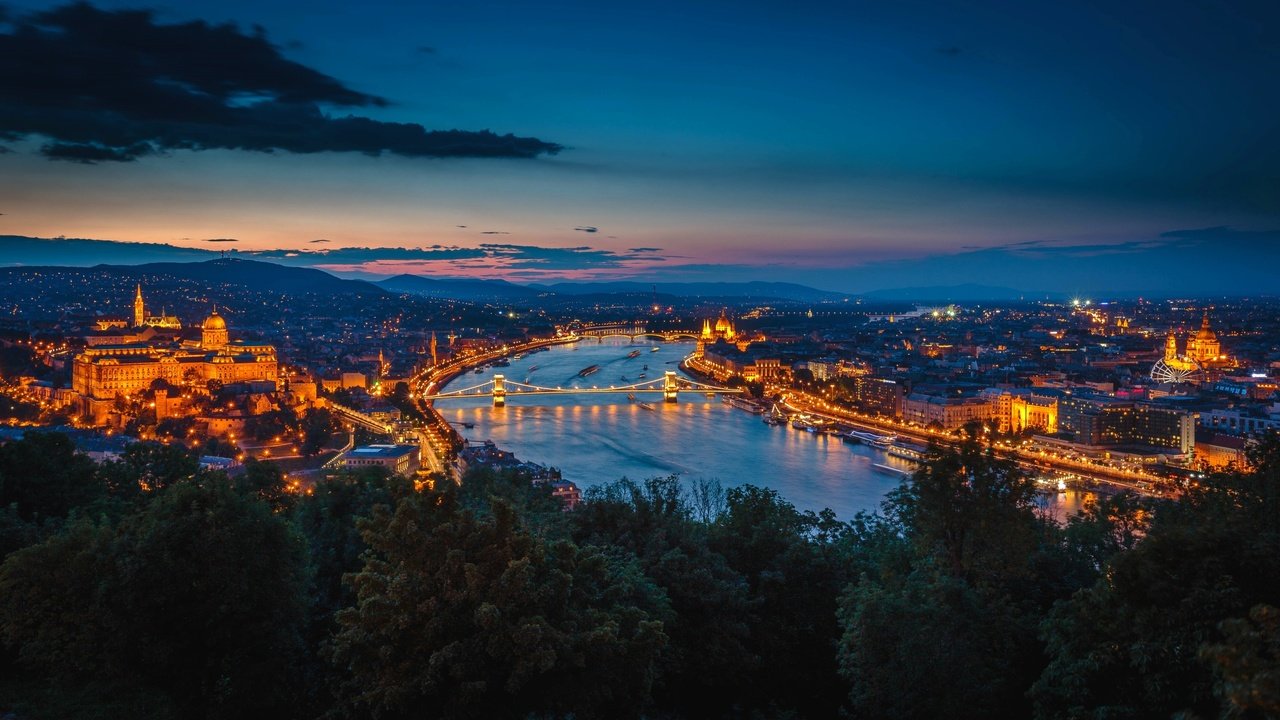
150,588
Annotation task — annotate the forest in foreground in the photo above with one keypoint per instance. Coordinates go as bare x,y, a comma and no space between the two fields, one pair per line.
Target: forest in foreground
149,588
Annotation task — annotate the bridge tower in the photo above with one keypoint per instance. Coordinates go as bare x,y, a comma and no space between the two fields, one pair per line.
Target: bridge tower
499,391
669,387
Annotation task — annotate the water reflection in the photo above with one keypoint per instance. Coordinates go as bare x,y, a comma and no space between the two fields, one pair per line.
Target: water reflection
600,438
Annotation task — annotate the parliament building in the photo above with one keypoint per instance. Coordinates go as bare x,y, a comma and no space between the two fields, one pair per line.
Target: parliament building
101,373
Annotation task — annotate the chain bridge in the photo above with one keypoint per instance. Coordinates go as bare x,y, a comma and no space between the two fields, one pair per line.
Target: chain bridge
634,331
500,388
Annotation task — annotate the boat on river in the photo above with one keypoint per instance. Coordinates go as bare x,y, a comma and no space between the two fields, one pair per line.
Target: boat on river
633,354
646,406
903,452
655,348
868,438
589,370
890,470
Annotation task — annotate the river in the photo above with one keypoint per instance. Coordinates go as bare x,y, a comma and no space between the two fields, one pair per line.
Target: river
595,439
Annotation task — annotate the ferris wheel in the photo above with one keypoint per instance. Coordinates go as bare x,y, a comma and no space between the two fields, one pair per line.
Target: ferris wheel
1185,370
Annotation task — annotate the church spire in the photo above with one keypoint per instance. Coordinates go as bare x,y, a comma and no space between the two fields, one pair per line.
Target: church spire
139,308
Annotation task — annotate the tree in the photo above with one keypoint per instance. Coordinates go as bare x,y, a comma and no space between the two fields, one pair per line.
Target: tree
954,579
708,669
149,466
1247,663
199,595
474,616
317,430
265,480
1143,640
794,567
43,475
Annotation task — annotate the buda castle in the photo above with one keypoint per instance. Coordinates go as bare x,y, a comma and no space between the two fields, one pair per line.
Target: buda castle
103,372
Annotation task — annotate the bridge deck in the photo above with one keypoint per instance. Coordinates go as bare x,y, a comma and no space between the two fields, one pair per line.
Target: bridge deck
581,391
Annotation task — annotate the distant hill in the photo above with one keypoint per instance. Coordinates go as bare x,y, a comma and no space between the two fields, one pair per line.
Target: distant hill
744,290
249,273
83,252
968,292
458,289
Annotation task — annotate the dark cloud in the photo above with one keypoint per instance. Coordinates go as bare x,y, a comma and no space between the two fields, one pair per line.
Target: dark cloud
220,240
461,226
319,240
355,255
116,86
587,229
93,152
645,250
495,232
582,257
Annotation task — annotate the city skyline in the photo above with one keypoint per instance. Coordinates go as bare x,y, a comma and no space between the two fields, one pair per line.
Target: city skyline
848,148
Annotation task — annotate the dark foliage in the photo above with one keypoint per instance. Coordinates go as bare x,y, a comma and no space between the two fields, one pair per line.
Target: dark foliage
149,588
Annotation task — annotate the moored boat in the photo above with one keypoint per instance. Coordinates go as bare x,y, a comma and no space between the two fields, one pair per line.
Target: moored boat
869,438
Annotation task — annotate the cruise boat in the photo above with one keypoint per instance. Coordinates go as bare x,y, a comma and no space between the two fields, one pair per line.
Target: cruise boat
655,348
633,354
868,438
646,406
806,423
905,453
890,470
589,370
742,404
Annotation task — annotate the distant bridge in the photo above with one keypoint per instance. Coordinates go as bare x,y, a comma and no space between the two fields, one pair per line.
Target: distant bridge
500,388
634,331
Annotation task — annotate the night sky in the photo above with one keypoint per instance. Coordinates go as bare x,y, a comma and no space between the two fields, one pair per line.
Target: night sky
1058,146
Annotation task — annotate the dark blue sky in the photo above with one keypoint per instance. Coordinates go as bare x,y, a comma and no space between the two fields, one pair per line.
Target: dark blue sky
738,139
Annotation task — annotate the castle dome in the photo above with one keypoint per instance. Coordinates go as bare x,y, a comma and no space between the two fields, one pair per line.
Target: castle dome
214,322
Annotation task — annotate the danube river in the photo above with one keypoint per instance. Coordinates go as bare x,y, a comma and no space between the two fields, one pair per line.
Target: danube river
595,439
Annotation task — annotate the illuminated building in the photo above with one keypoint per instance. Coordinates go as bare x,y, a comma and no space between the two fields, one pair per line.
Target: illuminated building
1101,420
722,329
141,320
101,373
1201,349
945,412
879,395
1018,410
397,459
